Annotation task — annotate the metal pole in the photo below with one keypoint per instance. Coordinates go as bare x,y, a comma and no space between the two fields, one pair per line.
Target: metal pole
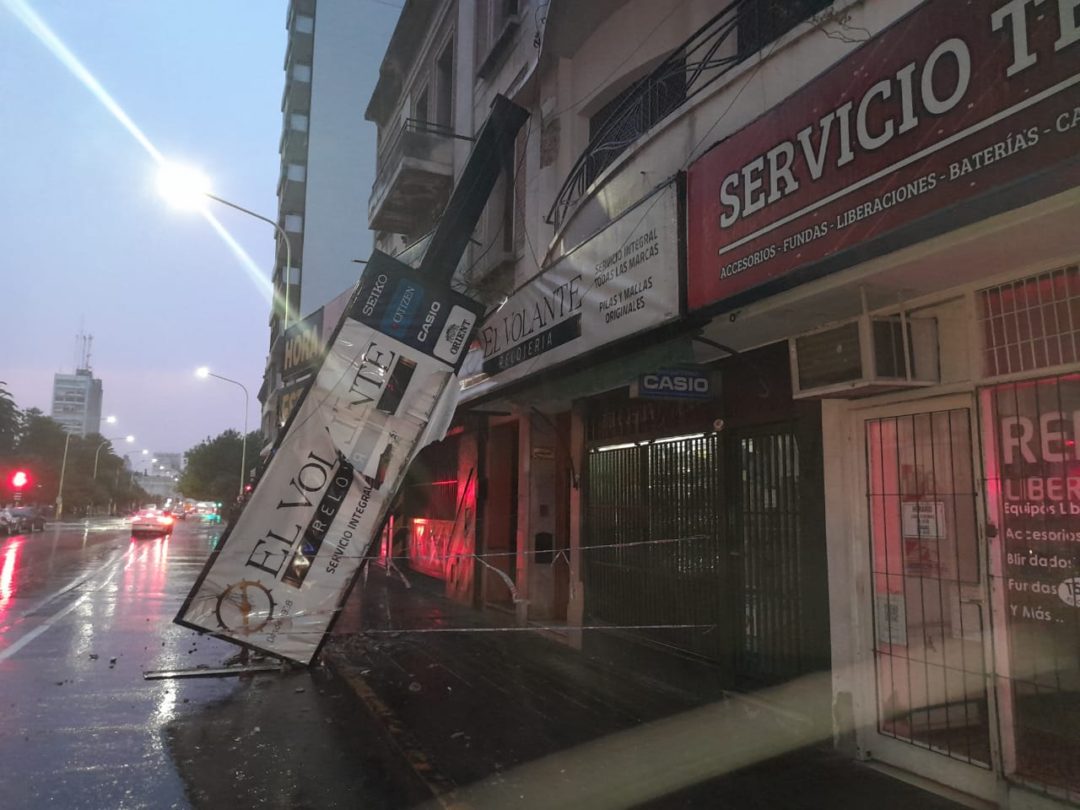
60,489
284,238
96,453
243,439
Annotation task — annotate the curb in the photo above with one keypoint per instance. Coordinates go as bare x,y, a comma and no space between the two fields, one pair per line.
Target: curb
395,734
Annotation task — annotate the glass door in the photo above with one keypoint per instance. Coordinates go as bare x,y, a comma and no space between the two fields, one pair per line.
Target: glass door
1031,430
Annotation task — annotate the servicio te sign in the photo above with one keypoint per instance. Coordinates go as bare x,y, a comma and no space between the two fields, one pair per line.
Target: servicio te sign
954,101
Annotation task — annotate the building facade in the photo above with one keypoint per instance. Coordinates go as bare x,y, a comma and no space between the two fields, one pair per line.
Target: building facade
76,402
782,344
321,180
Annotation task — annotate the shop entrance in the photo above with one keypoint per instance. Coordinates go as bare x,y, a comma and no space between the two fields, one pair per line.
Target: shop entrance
765,537
501,515
933,707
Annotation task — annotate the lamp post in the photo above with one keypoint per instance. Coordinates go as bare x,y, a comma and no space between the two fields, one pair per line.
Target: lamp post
204,372
128,439
186,187
60,489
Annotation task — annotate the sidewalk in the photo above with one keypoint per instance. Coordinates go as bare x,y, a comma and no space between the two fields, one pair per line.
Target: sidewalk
496,717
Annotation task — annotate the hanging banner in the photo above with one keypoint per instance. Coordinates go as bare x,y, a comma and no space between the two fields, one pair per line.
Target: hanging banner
386,387
622,281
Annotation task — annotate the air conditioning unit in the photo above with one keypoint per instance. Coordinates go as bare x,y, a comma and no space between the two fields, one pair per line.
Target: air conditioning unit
866,356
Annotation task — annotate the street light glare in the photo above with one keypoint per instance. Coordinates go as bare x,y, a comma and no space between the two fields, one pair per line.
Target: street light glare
129,439
202,372
183,187
111,420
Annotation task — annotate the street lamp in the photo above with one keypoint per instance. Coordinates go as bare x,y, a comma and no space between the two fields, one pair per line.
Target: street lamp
128,439
186,188
203,372
60,489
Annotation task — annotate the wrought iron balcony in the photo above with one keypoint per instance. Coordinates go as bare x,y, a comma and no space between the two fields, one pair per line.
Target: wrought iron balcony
699,62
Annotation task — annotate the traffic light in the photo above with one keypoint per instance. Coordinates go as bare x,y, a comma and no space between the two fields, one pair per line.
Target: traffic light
19,479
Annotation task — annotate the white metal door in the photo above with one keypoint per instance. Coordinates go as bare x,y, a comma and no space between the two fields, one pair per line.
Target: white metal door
932,704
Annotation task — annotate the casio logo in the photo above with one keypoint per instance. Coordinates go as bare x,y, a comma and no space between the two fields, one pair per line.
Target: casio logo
429,319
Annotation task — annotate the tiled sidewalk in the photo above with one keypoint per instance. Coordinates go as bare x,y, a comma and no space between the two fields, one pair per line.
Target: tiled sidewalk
490,716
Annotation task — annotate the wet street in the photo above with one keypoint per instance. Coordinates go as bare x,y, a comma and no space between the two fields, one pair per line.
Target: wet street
85,610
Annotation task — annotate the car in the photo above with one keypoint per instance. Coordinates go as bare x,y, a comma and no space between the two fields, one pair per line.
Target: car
23,519
7,522
151,522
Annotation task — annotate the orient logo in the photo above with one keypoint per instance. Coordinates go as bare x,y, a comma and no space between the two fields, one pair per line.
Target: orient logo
452,340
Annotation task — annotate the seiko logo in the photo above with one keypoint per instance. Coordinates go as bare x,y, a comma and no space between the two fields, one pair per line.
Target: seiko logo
429,319
375,295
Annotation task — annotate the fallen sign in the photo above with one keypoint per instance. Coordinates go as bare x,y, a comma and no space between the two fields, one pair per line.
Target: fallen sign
383,392
386,387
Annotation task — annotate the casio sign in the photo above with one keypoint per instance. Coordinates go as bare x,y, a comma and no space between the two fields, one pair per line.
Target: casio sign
684,384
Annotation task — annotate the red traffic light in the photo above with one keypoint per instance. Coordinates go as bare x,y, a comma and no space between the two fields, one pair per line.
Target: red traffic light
19,479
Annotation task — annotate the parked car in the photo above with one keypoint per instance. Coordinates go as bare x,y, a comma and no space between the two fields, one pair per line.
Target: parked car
24,519
151,522
6,522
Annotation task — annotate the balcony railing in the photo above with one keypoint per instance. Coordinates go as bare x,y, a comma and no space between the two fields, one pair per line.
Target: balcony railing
687,72
409,138
413,178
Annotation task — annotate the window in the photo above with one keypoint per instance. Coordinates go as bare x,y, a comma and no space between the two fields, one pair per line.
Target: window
444,87
496,23
1031,323
420,107
762,21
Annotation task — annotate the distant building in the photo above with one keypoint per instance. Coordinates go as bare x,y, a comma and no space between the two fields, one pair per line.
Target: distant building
322,187
172,462
76,402
160,487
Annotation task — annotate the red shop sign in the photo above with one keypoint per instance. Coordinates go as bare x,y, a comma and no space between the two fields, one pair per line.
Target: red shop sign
951,102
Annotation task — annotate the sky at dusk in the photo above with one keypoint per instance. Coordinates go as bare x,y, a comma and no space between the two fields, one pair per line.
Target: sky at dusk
89,244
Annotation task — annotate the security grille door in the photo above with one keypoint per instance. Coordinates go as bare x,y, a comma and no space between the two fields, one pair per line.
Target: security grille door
927,584
652,551
763,491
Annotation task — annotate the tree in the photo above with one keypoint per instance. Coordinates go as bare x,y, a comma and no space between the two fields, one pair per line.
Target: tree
212,469
10,420
40,450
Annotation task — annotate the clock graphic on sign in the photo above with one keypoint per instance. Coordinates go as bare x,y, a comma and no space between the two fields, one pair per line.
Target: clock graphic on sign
245,607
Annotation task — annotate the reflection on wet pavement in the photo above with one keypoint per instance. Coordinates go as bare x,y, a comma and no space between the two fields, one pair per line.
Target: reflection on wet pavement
84,611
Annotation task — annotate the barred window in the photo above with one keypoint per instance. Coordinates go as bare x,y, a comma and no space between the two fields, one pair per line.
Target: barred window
1031,323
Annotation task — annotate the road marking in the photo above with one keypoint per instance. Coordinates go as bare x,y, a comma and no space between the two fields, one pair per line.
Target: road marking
22,641
73,584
